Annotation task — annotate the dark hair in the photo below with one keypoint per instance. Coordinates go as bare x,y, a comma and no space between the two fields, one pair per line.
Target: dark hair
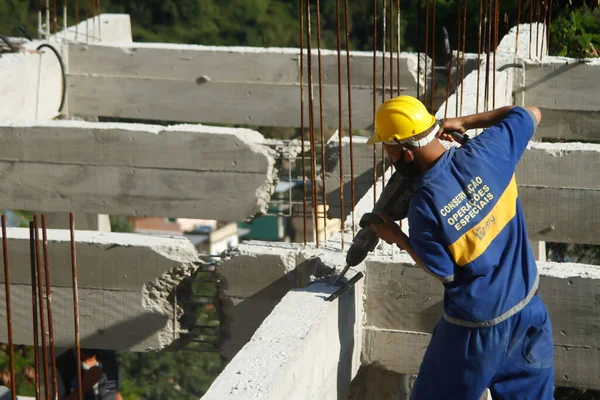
88,353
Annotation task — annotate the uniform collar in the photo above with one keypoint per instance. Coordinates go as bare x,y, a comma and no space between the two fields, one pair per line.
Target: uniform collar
439,166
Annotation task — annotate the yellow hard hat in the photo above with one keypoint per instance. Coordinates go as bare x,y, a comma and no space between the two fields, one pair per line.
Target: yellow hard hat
399,119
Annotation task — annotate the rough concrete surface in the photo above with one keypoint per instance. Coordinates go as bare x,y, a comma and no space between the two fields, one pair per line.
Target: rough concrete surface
307,348
135,169
126,287
30,86
266,92
403,303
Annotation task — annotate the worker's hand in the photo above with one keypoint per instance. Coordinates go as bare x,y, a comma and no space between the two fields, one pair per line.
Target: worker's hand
451,125
389,231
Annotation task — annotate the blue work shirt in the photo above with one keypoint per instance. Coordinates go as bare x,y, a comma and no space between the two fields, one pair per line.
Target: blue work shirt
466,223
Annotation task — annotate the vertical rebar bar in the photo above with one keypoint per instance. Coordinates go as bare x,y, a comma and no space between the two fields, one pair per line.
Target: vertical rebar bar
496,23
302,132
433,58
518,26
489,49
479,49
464,50
311,119
530,26
458,48
537,28
426,50
349,85
375,98
391,29
322,119
340,121
35,313
544,29
549,25
87,21
383,88
9,326
419,43
398,45
40,289
49,307
75,301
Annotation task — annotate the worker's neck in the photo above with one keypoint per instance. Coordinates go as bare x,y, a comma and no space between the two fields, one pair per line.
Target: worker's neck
426,157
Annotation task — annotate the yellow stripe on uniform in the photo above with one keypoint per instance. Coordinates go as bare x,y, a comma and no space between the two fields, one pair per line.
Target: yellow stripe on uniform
474,242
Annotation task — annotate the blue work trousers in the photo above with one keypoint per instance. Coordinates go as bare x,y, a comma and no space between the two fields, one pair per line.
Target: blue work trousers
514,359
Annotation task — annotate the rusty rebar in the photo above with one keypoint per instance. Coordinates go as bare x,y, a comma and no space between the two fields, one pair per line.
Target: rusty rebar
458,48
302,133
322,121
35,312
545,29
383,39
419,43
537,29
530,26
49,307
375,98
448,83
426,50
9,326
75,301
391,29
349,85
488,55
76,20
549,26
518,27
479,49
496,22
433,59
340,121
398,44
464,50
40,289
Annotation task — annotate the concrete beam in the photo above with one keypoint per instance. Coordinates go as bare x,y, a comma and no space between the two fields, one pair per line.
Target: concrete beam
133,169
565,89
265,92
126,288
403,304
307,348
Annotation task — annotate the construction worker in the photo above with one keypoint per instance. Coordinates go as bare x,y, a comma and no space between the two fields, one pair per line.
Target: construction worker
467,229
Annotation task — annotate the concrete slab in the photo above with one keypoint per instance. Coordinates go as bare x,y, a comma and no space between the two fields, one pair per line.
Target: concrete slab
126,288
266,92
307,348
133,169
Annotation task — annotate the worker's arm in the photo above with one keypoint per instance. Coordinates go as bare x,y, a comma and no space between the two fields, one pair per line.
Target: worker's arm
483,120
391,233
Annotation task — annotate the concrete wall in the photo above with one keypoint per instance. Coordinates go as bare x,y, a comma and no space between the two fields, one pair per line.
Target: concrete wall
204,84
133,169
126,288
403,304
307,348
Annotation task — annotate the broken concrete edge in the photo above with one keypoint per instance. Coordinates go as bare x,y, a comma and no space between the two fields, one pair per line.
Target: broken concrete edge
276,361
538,38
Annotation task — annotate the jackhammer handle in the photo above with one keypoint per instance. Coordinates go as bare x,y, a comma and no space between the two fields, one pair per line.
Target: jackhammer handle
461,138
370,219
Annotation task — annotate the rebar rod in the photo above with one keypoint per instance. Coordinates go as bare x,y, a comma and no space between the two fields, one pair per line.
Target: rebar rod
9,326
49,307
75,301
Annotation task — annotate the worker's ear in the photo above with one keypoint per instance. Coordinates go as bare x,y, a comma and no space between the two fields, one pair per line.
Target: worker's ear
409,156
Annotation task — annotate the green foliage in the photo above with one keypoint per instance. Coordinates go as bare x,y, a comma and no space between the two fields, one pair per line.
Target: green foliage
576,33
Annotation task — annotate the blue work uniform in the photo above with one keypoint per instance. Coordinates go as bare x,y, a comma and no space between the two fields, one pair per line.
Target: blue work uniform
466,224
